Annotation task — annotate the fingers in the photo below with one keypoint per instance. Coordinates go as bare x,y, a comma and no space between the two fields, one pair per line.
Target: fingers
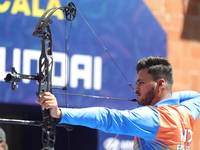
45,96
47,101
49,105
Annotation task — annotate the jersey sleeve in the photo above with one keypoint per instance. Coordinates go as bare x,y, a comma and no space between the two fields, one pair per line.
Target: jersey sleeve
140,122
187,95
191,100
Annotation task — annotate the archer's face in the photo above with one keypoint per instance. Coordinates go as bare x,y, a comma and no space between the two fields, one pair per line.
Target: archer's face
145,88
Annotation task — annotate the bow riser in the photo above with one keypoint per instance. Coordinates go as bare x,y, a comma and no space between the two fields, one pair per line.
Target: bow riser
45,85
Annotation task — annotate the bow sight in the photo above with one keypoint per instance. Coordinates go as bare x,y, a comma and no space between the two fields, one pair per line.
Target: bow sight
16,77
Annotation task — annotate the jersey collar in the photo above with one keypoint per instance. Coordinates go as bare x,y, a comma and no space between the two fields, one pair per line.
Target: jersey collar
167,102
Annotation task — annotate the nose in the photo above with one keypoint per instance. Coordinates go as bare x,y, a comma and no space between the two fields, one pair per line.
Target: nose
136,89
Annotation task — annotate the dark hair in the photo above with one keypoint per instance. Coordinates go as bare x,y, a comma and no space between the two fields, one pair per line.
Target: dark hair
158,67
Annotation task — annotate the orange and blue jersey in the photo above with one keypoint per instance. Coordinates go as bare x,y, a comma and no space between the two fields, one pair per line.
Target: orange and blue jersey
164,126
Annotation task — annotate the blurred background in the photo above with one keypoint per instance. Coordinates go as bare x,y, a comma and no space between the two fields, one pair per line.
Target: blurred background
130,30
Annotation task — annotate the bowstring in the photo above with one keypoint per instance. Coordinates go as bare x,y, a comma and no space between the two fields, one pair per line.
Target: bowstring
112,142
105,49
67,47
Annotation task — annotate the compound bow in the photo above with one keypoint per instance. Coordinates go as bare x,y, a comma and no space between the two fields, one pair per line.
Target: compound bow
44,77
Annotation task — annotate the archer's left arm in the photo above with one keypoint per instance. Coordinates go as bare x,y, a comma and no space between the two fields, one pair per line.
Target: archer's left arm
140,122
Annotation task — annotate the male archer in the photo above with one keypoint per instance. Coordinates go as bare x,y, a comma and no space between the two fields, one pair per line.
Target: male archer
166,120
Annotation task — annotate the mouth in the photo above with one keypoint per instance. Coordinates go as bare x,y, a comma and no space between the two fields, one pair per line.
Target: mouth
137,94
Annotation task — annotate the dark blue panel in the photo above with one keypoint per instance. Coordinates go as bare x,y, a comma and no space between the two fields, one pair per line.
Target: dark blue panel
126,28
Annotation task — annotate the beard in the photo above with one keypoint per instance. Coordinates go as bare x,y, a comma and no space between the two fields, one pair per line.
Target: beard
149,96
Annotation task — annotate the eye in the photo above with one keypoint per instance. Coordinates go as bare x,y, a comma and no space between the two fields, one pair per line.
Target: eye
139,83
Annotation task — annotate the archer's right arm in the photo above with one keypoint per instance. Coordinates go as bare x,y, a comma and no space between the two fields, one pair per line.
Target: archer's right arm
191,100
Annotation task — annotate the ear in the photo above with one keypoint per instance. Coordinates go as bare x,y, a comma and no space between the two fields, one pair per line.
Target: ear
160,82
